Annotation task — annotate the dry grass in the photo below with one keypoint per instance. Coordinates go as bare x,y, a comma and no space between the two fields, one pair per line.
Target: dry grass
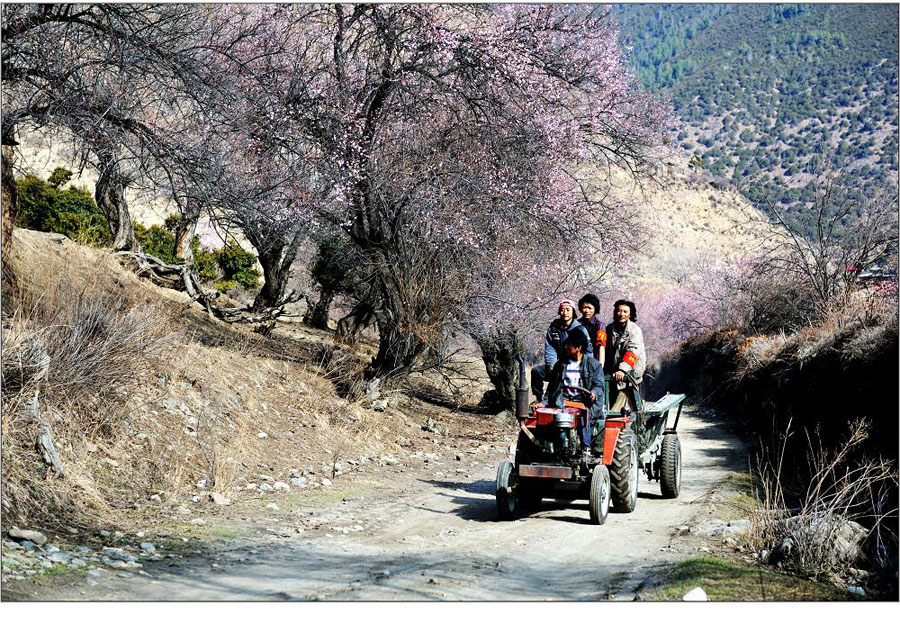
78,342
809,529
174,411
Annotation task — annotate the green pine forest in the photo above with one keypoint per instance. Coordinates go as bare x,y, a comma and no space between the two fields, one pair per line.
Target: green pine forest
770,94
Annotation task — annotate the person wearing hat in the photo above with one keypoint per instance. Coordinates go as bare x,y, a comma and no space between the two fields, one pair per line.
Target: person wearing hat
588,305
556,336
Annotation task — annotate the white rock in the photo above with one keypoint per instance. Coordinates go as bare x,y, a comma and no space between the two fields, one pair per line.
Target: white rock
695,595
24,534
299,481
326,482
262,434
148,547
272,506
60,557
219,499
156,498
281,485
198,521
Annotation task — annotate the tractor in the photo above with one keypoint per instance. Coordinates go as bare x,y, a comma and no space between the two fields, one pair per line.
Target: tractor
552,461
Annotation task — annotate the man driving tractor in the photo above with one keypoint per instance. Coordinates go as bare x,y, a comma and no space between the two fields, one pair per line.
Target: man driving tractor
574,371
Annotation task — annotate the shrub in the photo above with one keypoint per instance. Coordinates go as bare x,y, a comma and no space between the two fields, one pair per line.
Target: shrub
205,261
239,266
97,341
225,285
73,212
157,241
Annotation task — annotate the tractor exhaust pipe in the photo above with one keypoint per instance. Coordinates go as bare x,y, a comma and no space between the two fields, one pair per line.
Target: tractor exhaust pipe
522,392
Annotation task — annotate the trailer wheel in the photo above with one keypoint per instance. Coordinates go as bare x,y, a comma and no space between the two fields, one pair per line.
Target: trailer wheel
600,492
624,473
507,499
670,468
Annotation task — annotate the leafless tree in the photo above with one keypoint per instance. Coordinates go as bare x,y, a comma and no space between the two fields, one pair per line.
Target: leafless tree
851,230
126,80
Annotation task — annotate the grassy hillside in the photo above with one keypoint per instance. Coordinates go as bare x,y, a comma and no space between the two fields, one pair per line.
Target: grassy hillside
769,94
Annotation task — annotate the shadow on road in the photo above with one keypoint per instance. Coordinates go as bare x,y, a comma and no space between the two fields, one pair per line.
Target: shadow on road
310,573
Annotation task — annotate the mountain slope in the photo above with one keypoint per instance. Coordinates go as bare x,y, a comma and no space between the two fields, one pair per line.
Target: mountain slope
770,94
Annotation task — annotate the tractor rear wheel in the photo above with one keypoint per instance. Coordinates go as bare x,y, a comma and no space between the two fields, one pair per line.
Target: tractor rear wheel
670,466
624,473
507,499
600,492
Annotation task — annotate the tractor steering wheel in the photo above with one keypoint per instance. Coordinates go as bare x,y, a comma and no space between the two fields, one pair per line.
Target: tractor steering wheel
584,391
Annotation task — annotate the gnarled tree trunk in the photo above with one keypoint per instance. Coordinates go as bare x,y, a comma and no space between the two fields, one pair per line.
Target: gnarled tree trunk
110,195
185,232
399,342
360,317
9,198
276,261
499,353
317,314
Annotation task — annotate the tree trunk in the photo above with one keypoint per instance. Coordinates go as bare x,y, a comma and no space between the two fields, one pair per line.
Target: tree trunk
499,354
9,198
397,349
317,314
275,274
110,196
360,317
185,232
276,261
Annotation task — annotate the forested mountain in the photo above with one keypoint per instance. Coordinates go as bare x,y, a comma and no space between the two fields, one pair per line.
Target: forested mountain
771,93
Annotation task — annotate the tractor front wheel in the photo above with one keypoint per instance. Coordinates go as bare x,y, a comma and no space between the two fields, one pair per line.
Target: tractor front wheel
670,467
624,473
600,492
507,500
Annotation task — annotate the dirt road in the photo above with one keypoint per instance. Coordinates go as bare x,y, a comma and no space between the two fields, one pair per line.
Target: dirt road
428,531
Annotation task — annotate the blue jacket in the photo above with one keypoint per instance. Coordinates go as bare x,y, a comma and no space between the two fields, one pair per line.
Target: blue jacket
556,338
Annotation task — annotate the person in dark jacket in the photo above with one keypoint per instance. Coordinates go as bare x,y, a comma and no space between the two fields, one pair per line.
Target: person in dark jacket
559,330
576,368
588,305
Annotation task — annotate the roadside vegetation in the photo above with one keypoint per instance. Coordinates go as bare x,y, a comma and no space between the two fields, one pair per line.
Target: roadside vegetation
800,347
735,582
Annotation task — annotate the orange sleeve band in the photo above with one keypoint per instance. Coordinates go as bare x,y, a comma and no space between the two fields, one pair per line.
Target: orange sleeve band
601,337
630,359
